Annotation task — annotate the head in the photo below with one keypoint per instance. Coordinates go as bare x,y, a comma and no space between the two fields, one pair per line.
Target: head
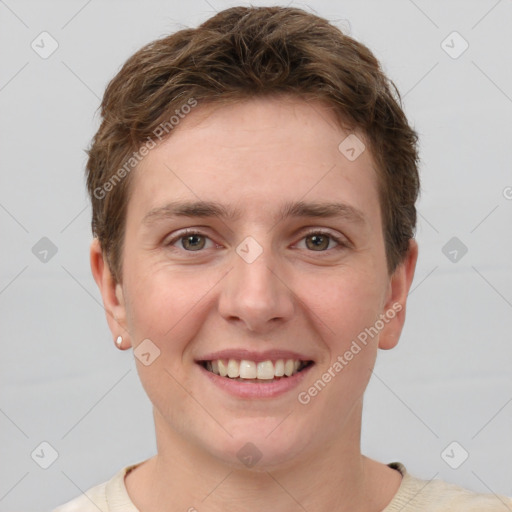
265,118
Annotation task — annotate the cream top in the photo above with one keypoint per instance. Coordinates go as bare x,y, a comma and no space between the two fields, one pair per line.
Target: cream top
413,495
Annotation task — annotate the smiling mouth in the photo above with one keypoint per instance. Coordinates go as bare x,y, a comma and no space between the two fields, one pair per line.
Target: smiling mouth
251,371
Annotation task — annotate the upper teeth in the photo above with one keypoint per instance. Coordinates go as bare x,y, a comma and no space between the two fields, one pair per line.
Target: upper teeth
245,369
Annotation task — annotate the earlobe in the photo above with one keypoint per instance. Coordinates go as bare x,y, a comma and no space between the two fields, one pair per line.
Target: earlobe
400,284
111,293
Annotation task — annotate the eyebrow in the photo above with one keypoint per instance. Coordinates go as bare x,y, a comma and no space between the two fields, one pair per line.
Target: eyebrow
206,209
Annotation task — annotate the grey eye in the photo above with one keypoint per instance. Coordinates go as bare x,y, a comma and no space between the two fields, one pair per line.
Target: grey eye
193,242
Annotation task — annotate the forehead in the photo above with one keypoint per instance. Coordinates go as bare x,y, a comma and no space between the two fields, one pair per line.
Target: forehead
258,156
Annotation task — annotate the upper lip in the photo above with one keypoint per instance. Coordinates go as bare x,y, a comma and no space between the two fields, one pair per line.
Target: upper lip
249,355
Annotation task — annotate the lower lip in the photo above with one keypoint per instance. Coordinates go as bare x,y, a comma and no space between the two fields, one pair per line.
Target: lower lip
255,390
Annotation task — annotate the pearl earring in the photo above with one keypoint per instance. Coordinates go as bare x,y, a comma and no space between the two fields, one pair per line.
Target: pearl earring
119,341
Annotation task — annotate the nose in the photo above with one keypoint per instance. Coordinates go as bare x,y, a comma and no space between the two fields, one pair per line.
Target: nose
256,294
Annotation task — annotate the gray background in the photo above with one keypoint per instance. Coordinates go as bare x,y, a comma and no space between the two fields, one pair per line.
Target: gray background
62,380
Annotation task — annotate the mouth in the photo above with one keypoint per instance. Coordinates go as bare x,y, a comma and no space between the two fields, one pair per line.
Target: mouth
258,372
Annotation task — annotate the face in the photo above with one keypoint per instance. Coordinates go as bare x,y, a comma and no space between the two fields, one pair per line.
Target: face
251,237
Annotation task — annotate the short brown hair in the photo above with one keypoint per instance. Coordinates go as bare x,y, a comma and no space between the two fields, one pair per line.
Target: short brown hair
240,53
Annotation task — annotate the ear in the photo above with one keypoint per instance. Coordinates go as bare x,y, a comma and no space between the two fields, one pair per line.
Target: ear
394,309
111,293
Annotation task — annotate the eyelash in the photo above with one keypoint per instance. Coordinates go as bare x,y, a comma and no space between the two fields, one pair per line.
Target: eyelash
342,244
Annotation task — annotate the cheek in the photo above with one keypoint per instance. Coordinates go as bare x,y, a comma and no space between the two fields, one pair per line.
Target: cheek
345,309
345,302
163,303
166,308
354,303
345,305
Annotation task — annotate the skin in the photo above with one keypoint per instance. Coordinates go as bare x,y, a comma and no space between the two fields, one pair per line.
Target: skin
255,156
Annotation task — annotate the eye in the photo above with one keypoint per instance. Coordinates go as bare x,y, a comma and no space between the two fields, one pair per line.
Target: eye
320,241
316,241
189,240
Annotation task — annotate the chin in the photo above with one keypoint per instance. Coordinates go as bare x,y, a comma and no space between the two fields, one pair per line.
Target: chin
256,446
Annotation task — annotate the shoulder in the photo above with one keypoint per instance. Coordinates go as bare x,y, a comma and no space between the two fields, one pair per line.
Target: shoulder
443,496
435,495
110,496
93,500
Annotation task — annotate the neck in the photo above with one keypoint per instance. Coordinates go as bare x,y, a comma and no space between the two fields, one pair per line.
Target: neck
331,476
